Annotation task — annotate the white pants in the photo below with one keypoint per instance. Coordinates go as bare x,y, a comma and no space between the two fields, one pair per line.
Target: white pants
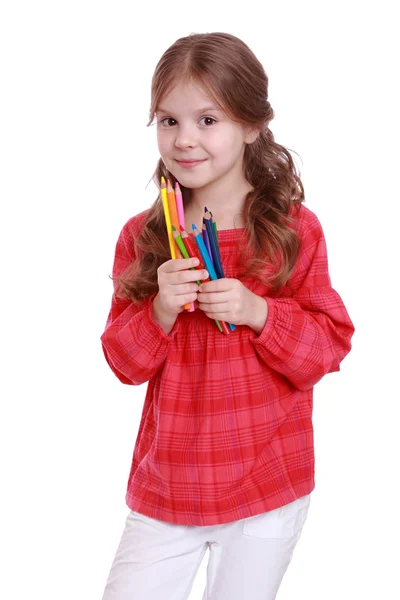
248,558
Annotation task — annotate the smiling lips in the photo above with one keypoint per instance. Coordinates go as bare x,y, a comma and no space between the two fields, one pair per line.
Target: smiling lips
188,164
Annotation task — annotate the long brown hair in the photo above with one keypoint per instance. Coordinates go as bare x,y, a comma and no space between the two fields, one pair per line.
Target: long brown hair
234,78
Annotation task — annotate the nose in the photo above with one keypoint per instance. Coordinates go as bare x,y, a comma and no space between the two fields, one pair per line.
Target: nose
185,137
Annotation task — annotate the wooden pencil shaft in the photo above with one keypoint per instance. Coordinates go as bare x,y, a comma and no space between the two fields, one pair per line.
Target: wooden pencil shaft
173,213
208,218
226,328
167,217
214,249
170,213
215,227
204,252
179,205
172,205
207,242
183,249
192,248
179,242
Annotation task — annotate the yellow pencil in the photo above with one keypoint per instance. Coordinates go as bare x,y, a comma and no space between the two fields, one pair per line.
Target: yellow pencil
173,213
171,218
167,217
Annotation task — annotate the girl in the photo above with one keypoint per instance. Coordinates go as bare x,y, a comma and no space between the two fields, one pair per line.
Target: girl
224,456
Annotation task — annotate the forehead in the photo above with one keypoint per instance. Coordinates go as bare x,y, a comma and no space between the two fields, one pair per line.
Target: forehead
187,98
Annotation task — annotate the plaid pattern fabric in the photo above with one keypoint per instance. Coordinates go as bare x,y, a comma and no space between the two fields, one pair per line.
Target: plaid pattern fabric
226,429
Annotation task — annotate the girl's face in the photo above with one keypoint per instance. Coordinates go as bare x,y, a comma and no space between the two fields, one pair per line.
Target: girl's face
190,127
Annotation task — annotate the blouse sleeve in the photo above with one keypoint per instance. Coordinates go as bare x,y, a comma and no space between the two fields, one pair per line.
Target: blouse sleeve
308,334
134,344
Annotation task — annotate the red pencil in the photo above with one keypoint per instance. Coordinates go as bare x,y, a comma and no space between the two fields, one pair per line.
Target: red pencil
192,247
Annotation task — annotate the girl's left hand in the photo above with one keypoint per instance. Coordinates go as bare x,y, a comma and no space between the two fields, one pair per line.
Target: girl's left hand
228,300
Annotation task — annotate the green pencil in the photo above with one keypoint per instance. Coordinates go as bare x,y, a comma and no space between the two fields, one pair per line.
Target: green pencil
215,227
182,247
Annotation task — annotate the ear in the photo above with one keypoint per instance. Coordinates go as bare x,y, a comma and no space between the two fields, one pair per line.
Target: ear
251,135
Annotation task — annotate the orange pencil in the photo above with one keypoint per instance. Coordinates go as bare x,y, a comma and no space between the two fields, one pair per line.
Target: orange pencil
173,213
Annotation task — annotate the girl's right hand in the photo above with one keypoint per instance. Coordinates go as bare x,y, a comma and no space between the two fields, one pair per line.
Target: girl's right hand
177,284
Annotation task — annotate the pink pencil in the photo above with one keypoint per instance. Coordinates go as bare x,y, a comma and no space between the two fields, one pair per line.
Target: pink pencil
179,205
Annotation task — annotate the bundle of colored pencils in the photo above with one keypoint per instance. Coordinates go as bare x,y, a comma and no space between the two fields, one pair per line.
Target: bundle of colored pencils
206,241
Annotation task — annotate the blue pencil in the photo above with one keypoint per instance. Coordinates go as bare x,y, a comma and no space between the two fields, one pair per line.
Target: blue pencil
215,250
209,266
207,242
204,252
207,261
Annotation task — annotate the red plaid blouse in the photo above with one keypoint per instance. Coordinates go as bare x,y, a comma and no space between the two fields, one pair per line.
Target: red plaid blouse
226,430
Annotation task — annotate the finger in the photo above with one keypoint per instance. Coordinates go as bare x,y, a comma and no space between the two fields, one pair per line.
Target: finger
184,288
179,264
218,285
182,277
213,297
214,308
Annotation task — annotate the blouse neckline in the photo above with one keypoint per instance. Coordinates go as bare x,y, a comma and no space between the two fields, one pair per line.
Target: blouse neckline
229,235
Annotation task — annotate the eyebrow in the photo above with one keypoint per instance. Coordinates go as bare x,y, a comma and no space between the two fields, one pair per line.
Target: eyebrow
205,109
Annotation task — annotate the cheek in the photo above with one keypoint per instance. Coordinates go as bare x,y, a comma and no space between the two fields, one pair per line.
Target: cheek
162,144
225,148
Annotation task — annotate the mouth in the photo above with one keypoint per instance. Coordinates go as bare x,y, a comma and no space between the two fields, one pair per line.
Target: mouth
187,164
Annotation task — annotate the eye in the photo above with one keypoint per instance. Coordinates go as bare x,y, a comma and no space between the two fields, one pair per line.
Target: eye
209,119
171,119
167,119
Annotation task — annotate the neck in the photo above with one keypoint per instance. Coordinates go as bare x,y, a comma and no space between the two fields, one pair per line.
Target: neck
226,202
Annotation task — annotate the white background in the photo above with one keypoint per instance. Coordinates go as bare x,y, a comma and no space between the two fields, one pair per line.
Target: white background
76,157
